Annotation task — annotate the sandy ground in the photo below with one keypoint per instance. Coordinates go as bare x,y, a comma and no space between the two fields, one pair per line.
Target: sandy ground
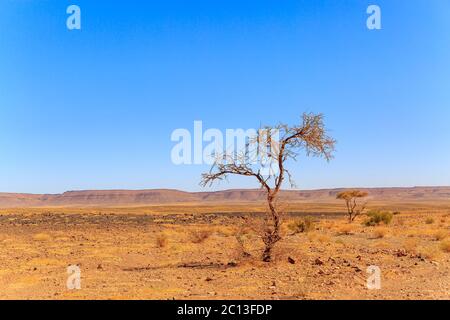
185,256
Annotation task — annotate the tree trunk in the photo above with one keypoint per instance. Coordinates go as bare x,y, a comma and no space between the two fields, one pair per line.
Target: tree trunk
272,234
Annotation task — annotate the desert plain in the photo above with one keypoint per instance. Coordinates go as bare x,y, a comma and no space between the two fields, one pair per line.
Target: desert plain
174,245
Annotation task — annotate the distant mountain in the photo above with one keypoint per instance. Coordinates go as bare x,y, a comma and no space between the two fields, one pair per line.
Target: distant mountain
166,196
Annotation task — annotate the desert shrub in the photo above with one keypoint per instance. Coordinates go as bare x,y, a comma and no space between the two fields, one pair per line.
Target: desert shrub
377,217
379,232
445,246
301,225
410,245
346,229
428,252
199,235
429,221
161,241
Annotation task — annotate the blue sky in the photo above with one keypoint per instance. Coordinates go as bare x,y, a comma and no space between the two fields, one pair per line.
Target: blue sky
95,108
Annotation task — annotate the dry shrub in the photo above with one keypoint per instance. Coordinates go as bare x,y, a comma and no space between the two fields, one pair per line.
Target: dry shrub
225,231
380,232
301,225
429,220
329,225
319,237
445,246
241,235
346,229
323,238
199,235
42,237
410,245
430,253
375,218
161,241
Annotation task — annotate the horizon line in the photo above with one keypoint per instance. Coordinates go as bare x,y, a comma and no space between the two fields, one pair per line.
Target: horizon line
222,190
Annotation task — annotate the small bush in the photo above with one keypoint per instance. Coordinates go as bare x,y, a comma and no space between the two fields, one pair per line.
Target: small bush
161,241
302,225
346,230
379,232
429,221
377,217
199,236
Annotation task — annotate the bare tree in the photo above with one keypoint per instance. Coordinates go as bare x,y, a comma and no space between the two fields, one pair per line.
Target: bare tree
353,208
310,137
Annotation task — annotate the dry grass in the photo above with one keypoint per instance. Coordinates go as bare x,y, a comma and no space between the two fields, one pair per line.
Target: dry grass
440,235
319,237
199,235
42,237
130,254
346,229
410,245
445,246
161,241
430,252
380,232
301,225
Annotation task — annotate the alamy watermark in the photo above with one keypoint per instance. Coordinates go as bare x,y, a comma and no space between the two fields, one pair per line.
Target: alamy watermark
374,278
74,278
250,147
374,20
73,22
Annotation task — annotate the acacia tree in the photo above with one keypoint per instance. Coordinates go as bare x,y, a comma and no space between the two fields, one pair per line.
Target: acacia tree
309,137
351,200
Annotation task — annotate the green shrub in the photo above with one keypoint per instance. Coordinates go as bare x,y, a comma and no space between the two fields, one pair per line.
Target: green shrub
301,225
377,217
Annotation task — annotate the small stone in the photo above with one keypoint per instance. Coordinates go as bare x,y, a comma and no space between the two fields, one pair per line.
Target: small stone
357,269
318,262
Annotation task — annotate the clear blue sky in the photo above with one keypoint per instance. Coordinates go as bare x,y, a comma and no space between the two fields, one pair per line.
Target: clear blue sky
94,109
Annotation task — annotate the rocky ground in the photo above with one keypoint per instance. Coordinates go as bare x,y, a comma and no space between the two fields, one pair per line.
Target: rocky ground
186,256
